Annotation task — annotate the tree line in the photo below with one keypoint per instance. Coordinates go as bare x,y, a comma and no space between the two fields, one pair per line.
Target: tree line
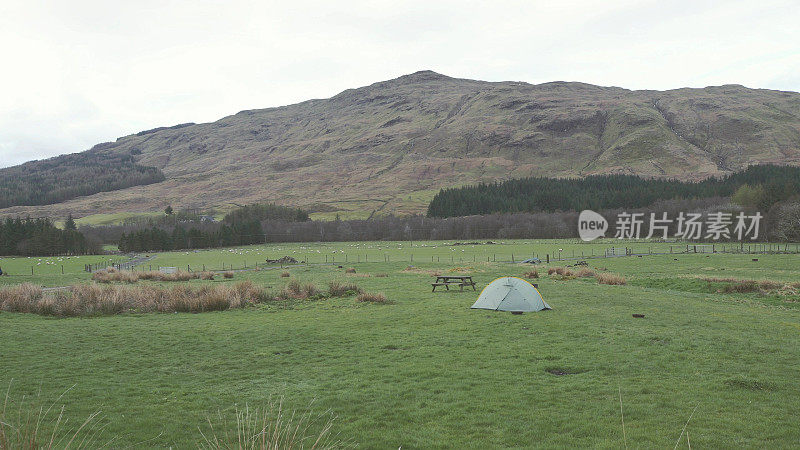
242,226
40,237
66,177
777,224
769,184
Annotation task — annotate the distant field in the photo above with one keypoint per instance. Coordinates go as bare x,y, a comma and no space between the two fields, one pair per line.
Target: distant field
428,372
113,219
47,270
421,251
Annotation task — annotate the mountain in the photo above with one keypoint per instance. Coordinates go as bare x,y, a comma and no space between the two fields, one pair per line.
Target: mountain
390,146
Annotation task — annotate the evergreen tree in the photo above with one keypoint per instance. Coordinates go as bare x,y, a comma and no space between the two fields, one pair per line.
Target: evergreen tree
70,223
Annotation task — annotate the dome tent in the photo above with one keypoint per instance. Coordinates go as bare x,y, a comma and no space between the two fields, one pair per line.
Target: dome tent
510,294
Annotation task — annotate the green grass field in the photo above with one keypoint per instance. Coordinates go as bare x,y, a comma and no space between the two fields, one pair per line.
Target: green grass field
418,252
428,372
47,270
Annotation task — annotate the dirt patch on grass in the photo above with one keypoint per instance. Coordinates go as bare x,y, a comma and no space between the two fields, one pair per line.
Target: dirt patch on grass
561,371
417,270
752,385
468,269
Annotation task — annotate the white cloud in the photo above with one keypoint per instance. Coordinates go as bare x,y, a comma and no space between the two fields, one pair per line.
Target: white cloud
82,72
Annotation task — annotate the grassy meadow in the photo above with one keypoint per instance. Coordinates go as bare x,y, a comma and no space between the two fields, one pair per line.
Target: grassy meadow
51,270
428,372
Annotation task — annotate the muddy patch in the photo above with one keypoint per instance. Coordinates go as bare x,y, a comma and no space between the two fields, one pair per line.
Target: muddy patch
561,371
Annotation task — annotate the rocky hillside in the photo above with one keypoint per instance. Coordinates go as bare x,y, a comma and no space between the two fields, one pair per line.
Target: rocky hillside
390,146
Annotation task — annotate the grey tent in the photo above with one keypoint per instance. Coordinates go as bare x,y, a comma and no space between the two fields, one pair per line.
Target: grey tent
510,294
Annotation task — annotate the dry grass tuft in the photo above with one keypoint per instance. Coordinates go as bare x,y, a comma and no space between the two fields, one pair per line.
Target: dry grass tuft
339,289
373,298
350,270
285,274
300,291
129,276
271,428
562,273
531,274
610,278
207,275
18,298
28,423
381,275
227,275
737,286
95,299
585,272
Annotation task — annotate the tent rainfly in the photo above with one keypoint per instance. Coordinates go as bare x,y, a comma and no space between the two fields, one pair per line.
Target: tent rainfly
510,294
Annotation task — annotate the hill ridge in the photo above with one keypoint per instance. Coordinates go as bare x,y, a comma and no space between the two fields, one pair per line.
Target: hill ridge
403,139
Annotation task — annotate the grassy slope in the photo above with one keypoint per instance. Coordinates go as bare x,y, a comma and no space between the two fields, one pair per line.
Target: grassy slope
429,372
371,148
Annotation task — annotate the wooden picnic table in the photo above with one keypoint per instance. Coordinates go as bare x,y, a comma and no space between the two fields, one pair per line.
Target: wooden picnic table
455,280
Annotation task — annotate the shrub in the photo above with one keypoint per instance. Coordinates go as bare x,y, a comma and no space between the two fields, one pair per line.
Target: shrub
610,278
227,275
531,274
338,289
373,298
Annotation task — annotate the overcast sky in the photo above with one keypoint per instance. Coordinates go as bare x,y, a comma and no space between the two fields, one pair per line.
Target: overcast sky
75,73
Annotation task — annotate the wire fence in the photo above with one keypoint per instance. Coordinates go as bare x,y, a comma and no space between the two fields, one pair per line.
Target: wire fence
556,255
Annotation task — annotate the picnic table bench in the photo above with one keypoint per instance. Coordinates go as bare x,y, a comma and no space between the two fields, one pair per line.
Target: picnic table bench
453,280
